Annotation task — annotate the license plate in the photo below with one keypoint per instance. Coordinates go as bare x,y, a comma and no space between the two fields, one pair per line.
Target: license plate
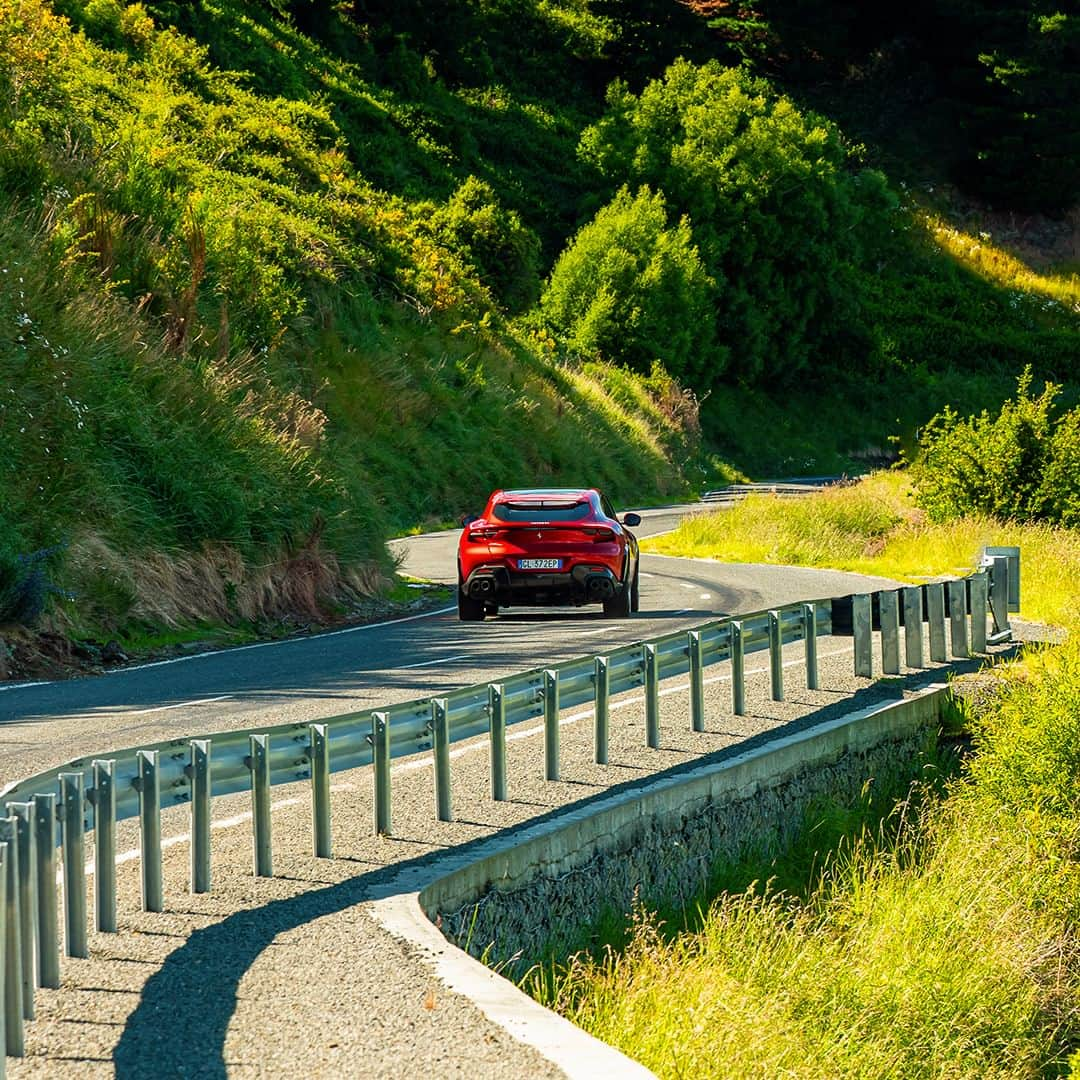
539,564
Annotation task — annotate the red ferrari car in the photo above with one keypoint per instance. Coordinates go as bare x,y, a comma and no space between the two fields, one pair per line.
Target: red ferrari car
546,546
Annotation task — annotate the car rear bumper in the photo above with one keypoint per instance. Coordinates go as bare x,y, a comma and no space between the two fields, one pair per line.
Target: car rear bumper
503,586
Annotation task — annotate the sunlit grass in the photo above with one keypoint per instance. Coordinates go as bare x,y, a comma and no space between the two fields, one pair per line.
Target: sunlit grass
980,254
943,946
891,969
873,528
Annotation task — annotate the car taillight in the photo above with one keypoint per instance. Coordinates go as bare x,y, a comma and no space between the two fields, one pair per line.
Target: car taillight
476,535
600,536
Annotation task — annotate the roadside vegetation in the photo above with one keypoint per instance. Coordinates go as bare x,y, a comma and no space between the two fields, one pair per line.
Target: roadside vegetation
282,278
921,933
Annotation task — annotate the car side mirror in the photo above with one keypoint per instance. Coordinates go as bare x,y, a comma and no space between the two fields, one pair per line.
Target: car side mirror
468,519
631,519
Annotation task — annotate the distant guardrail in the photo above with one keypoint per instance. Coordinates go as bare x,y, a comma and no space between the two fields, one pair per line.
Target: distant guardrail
95,794
731,492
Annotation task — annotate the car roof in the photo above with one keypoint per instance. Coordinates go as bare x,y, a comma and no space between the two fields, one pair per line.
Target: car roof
542,493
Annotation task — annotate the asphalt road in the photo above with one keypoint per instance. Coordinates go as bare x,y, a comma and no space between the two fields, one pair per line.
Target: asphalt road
305,679
294,975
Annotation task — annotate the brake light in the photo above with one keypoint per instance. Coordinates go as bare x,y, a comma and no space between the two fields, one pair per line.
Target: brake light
600,536
476,535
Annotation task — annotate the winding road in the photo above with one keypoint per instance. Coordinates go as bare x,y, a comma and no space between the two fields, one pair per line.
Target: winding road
305,679
298,974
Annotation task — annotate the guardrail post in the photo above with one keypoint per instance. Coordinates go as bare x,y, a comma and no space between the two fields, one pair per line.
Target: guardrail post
890,631
738,668
13,973
551,724
809,626
440,727
380,742
958,625
322,839
776,656
497,734
322,834
913,624
201,791
601,711
649,664
3,952
261,842
149,787
74,853
999,595
24,822
935,610
104,800
862,625
48,965
979,598
697,681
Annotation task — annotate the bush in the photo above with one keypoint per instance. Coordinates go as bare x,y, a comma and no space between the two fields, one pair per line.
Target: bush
777,215
630,288
1020,465
504,253
24,586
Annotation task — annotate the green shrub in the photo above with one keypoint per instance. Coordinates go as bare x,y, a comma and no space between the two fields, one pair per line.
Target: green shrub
504,252
777,214
1020,465
633,289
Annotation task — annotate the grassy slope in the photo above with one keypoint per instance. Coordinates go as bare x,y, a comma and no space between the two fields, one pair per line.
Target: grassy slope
227,345
249,237
941,942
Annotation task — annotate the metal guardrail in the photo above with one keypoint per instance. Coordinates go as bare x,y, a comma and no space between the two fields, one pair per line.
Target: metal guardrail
732,492
95,794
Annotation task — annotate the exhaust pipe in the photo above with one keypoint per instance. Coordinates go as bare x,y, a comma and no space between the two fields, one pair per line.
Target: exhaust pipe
600,588
482,588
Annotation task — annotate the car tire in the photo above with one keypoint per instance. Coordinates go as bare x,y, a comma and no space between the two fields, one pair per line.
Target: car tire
618,607
469,610
635,592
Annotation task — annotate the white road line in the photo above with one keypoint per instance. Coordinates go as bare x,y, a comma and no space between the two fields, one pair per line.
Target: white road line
594,630
426,761
431,663
645,573
22,685
686,584
179,705
256,645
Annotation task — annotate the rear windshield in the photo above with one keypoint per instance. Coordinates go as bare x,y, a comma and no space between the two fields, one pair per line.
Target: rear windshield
540,511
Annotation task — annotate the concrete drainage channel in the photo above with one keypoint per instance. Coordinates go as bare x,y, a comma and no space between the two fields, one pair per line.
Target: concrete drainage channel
181,777
658,842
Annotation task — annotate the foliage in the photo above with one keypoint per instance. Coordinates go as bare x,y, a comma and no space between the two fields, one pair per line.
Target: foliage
778,217
293,251
993,84
1020,465
943,944
503,252
630,286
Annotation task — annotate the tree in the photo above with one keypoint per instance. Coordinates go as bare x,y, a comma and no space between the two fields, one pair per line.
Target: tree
777,213
631,288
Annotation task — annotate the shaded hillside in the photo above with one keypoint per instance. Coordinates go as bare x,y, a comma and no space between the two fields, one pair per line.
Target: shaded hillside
298,275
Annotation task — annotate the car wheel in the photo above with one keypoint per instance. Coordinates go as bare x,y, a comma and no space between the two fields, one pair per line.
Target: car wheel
635,591
618,607
469,610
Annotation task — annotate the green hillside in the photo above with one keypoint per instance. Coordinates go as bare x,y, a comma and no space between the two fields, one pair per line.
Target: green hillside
281,279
